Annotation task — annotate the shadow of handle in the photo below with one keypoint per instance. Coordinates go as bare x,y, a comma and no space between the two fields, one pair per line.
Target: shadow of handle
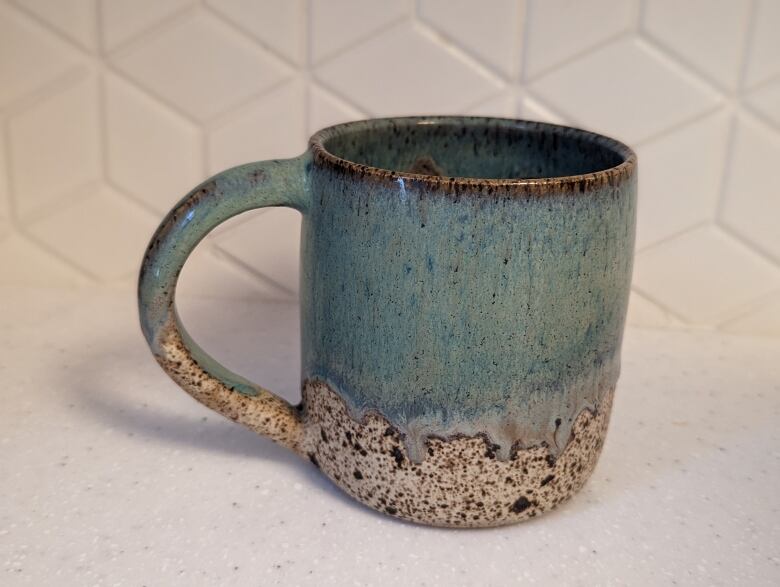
237,190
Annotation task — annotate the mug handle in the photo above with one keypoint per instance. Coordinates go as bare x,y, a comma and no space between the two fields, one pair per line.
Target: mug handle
236,190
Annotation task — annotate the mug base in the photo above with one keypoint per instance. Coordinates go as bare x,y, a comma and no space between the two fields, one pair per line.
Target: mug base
460,482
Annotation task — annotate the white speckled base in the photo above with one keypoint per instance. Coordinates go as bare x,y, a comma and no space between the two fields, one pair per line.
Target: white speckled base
460,482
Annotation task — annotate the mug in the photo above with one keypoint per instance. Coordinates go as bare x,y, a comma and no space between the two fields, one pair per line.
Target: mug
464,285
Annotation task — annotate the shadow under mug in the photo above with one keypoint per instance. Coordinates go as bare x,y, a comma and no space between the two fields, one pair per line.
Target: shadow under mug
464,285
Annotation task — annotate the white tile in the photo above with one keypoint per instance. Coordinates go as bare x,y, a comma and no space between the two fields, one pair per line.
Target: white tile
766,100
533,109
207,274
336,24
325,109
25,263
232,223
201,66
764,52
625,89
709,34
29,56
279,24
645,314
5,203
704,275
152,152
679,178
378,75
752,203
55,146
561,29
122,20
273,127
74,18
491,31
501,105
269,245
763,319
101,232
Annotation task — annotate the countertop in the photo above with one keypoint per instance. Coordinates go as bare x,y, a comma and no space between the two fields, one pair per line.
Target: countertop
110,475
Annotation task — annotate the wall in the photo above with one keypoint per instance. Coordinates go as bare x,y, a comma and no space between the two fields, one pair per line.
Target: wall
110,111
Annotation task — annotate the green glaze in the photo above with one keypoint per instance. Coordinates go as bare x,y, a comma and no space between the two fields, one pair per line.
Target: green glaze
237,190
459,275
456,307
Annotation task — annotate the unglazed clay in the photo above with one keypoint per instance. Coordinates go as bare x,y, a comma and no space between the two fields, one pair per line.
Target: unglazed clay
464,284
460,481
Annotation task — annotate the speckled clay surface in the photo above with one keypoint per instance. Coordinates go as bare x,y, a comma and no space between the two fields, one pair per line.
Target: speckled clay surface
464,284
460,481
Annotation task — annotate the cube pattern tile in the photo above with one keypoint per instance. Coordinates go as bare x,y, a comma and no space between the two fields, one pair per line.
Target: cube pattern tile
110,110
708,34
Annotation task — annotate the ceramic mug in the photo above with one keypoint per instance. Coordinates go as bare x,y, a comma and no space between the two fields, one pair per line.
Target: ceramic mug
464,284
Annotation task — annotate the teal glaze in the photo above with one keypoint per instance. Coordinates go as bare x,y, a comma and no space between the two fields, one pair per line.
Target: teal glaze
236,190
459,275
467,307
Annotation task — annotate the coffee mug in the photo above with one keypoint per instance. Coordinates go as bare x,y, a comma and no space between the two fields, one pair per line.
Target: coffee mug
464,284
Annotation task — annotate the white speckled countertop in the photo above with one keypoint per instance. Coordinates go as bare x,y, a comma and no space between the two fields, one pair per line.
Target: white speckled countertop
109,475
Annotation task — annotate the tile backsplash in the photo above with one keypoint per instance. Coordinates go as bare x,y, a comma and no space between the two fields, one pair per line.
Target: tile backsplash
111,110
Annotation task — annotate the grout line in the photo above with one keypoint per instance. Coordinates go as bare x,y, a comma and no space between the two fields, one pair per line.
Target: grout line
518,96
204,147
20,9
367,36
131,197
530,92
103,139
718,108
748,45
639,9
477,103
725,175
519,61
671,62
227,256
460,52
747,309
158,27
306,29
100,37
47,90
323,85
676,234
760,85
54,253
626,33
114,69
636,294
134,201
60,202
672,55
285,61
9,183
661,305
525,43
235,111
754,248
756,113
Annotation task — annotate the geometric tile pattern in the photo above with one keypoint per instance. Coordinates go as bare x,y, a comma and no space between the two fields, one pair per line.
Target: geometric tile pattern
110,110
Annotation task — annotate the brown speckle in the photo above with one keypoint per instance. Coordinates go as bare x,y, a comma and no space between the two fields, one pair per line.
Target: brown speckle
458,483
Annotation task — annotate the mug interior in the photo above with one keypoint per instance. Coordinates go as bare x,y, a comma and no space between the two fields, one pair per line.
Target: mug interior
472,147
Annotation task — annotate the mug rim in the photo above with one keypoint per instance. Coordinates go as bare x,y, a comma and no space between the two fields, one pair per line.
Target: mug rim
611,176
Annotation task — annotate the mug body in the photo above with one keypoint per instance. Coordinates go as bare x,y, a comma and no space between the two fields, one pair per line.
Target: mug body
463,296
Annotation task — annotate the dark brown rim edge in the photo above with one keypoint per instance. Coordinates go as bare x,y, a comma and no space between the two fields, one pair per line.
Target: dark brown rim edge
612,176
